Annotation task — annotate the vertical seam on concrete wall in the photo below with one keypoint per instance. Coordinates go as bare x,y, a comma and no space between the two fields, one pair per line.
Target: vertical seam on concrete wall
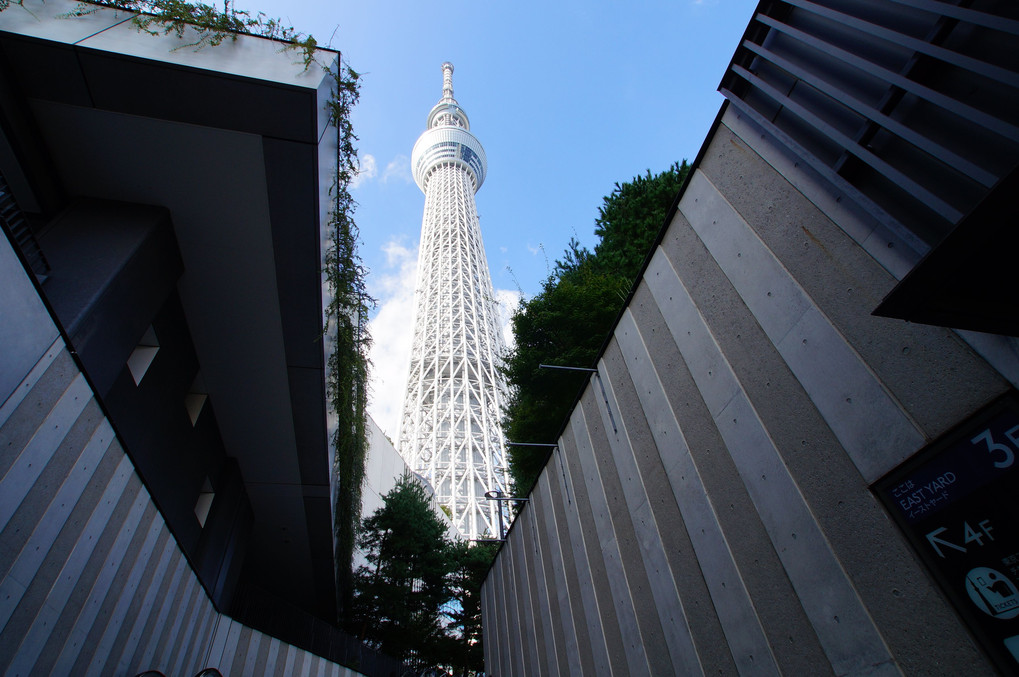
33,459
514,626
509,614
106,584
506,582
204,633
249,650
291,660
736,613
152,652
98,517
526,622
557,566
233,638
633,643
133,649
489,645
843,625
181,595
277,657
867,419
498,615
493,626
539,611
81,572
675,627
548,613
25,387
272,660
144,649
120,590
592,597
137,580
188,629
498,618
130,597
563,584
62,506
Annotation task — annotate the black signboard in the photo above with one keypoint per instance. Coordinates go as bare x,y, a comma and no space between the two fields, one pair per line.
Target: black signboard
958,503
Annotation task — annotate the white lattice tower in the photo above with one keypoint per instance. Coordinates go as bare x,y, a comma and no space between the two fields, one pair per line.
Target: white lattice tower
450,432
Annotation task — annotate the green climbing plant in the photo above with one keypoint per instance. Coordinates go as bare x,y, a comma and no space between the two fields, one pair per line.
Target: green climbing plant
205,25
347,325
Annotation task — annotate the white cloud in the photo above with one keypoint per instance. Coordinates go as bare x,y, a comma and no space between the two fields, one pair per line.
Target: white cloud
398,168
507,300
392,331
367,169
534,250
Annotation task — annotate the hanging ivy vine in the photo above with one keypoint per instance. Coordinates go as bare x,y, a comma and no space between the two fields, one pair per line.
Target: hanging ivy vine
347,324
211,26
346,317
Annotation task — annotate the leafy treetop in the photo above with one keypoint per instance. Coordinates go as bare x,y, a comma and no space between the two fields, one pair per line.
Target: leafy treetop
567,322
419,596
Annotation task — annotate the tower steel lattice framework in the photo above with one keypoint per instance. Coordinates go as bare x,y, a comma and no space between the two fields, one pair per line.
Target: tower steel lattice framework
450,431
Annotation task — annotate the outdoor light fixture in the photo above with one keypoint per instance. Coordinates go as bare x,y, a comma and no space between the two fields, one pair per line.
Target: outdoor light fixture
496,495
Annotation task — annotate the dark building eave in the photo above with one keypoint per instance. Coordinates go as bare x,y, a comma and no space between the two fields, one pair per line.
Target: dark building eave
967,281
242,158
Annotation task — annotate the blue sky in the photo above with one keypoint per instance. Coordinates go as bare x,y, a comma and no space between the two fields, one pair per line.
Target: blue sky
567,98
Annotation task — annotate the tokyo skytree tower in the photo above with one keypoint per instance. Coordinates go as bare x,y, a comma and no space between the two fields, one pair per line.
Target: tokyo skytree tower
450,432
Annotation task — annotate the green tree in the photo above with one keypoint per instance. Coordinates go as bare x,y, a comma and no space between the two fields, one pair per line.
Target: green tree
465,654
565,324
401,591
568,321
631,217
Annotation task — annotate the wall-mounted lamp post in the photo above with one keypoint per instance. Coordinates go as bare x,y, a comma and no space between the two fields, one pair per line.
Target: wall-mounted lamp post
496,495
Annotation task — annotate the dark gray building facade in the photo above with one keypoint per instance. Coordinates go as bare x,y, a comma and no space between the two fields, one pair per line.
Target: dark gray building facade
165,466
804,461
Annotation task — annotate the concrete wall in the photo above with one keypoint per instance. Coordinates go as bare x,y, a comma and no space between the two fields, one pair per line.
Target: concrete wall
92,582
383,469
713,513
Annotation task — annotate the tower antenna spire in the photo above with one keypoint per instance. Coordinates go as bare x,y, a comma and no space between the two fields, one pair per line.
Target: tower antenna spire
447,83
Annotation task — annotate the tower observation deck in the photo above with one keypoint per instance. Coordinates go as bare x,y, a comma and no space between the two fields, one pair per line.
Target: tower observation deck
450,431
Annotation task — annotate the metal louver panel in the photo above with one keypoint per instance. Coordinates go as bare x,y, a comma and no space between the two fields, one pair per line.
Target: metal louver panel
17,225
915,103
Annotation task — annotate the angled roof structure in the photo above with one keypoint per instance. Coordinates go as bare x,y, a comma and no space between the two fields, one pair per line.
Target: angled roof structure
233,142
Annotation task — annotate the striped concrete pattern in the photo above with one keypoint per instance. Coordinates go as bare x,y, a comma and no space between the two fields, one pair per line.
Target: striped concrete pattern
708,508
91,580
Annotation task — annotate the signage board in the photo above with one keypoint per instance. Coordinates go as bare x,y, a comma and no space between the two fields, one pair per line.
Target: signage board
957,503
